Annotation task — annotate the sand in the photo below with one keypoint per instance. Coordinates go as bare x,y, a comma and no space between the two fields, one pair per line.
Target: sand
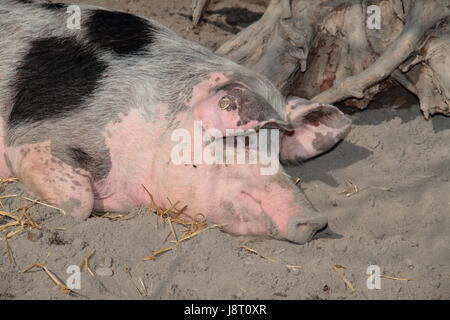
398,219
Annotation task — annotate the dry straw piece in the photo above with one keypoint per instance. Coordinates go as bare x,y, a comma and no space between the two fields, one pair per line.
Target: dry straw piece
19,223
258,254
394,278
157,253
8,180
22,220
347,282
143,291
115,217
193,226
190,235
52,276
43,204
289,266
85,263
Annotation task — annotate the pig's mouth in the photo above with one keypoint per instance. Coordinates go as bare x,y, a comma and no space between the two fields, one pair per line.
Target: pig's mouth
276,124
284,127
326,233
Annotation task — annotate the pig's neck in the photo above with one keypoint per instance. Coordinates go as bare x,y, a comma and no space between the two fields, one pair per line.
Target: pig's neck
143,169
170,182
140,161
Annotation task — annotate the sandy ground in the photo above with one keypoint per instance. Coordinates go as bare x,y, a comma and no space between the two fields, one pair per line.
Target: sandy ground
398,219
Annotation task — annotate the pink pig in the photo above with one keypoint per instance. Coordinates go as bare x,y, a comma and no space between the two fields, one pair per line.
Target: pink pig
88,119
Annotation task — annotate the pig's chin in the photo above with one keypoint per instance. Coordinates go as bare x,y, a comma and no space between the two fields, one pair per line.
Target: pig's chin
261,227
251,220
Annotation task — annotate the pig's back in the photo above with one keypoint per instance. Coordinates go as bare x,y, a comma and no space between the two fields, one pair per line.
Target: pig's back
110,49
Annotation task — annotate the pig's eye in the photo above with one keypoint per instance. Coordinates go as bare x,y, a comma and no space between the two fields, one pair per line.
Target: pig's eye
227,103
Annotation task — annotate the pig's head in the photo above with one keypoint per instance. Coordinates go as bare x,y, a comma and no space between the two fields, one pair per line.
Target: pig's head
238,194
309,128
223,102
242,197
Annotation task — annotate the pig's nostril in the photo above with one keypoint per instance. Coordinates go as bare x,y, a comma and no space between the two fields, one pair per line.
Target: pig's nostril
299,225
302,230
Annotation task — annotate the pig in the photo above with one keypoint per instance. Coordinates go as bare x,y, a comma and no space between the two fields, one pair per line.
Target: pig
87,115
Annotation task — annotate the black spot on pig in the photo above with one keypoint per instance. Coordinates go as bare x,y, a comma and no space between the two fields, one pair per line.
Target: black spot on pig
251,106
120,32
229,210
68,175
54,160
71,205
80,156
326,115
7,161
54,6
51,6
24,151
323,142
317,116
82,159
98,167
55,78
77,183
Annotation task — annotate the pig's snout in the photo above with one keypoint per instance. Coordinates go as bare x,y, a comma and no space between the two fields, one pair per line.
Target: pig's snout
301,229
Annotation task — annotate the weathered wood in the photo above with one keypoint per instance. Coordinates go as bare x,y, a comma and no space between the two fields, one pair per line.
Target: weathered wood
327,52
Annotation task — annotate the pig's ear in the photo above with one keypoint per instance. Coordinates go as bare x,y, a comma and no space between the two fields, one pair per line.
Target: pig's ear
233,109
317,128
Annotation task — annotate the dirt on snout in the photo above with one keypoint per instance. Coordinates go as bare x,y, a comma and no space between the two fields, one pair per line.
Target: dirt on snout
385,190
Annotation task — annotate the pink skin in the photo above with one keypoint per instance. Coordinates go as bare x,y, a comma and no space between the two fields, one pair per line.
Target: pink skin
322,129
50,179
217,118
202,90
205,106
122,189
236,195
